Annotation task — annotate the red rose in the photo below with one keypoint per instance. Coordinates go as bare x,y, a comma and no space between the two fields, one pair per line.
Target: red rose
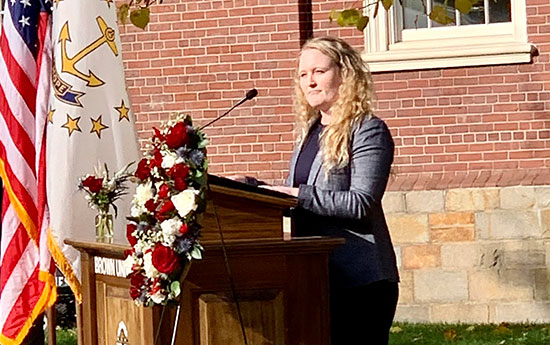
179,170
155,286
165,259
136,282
177,136
157,159
180,184
93,184
184,228
164,190
164,210
143,170
130,228
151,205
157,134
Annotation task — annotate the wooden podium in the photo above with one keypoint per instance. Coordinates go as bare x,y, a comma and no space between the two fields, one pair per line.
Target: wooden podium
281,282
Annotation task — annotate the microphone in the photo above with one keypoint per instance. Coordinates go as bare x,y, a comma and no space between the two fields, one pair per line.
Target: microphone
249,95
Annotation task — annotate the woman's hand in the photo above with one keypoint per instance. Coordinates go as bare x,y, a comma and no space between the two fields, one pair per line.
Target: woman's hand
282,189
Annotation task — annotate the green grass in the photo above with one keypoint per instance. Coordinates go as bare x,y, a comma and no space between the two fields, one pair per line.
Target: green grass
436,334
464,334
65,336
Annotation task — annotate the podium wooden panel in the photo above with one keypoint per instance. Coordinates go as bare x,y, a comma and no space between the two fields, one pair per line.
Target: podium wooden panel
281,284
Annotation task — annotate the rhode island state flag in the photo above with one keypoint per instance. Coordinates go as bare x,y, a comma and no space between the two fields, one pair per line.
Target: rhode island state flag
90,122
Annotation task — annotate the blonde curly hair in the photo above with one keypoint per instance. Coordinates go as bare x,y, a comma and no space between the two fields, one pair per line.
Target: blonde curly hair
354,103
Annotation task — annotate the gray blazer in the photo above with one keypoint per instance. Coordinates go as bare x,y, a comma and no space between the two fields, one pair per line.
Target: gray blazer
346,203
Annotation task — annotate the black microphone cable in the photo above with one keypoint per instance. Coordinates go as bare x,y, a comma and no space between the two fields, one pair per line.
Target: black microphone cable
228,268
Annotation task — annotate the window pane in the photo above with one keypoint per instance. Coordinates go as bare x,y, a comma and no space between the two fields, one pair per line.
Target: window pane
499,11
414,14
476,15
449,8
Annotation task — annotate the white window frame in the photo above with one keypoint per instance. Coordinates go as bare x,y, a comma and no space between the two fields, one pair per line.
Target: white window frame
390,48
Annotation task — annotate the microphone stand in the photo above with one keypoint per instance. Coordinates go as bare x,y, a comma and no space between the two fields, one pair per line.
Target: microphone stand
249,95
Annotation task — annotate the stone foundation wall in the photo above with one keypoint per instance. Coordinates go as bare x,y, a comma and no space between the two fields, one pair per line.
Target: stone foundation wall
472,255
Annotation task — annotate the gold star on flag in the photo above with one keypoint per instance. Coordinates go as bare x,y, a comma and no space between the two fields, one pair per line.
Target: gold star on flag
50,115
97,126
123,111
72,124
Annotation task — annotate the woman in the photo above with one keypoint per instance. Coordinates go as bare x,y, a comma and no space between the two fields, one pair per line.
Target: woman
339,172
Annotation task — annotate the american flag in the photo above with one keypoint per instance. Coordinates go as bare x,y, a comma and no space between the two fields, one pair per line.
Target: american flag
27,285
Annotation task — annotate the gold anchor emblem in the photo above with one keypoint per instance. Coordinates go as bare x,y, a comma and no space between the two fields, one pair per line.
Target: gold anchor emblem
68,63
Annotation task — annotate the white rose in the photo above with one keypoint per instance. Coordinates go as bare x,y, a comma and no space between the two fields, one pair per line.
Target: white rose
143,193
171,226
150,270
185,201
128,263
111,184
158,297
169,159
137,210
168,240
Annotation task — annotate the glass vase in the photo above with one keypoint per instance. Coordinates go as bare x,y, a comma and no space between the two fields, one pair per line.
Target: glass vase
104,226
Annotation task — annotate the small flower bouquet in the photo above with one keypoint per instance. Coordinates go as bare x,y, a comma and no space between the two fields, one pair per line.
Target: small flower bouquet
101,192
164,225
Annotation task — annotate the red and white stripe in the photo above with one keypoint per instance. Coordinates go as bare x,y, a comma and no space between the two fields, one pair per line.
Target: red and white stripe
26,281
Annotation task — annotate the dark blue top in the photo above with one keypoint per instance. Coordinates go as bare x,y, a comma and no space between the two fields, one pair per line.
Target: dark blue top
308,153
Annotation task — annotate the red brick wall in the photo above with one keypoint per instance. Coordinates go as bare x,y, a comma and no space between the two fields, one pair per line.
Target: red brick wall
199,57
453,127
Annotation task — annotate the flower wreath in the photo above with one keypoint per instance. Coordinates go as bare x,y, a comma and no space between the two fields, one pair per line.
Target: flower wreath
164,228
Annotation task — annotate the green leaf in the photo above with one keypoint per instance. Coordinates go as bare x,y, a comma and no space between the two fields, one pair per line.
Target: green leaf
196,253
387,4
465,6
348,17
122,13
203,143
175,288
503,328
450,334
362,23
201,180
396,329
351,17
439,15
333,15
140,17
188,120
